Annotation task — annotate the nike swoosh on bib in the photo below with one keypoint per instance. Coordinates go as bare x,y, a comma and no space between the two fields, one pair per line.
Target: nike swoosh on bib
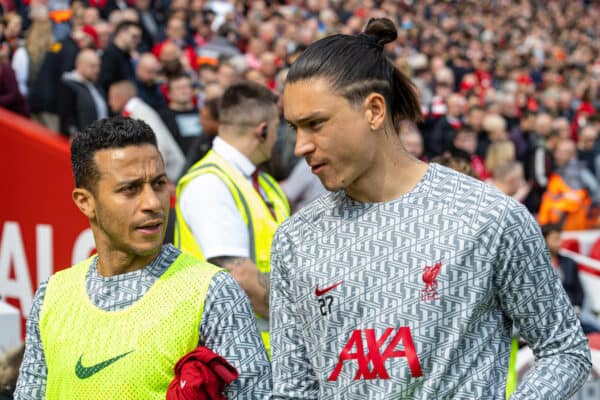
85,372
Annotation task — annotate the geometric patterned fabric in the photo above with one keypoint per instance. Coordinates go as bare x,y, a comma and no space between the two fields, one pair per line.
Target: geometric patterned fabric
417,297
227,327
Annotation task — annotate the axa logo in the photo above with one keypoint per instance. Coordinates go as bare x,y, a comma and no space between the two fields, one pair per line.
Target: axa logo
376,354
430,274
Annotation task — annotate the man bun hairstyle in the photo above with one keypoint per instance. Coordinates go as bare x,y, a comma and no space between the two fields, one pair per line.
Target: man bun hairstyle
382,30
108,133
356,66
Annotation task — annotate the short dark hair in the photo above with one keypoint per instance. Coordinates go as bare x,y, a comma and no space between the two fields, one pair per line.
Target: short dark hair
547,229
124,25
246,103
212,105
177,77
108,133
356,66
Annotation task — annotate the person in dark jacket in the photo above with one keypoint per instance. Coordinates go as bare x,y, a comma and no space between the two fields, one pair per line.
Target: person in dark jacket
116,60
146,81
80,101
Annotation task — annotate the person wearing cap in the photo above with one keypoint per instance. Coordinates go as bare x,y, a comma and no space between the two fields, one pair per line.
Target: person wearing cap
116,326
406,280
227,209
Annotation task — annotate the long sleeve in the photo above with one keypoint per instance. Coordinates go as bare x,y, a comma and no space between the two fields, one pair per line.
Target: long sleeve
531,294
20,64
293,377
228,328
33,373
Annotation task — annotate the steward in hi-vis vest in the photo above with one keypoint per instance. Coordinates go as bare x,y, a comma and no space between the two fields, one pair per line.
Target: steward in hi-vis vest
227,211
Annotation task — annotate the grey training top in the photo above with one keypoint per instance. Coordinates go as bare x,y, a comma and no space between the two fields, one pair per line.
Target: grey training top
416,298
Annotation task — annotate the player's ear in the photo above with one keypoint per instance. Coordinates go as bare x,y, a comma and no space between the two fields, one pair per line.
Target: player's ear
375,110
84,200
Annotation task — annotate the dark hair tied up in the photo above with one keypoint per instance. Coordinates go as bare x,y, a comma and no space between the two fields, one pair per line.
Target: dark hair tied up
356,66
382,30
372,40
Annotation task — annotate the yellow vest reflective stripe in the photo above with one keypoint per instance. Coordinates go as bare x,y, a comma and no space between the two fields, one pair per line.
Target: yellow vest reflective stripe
260,224
124,354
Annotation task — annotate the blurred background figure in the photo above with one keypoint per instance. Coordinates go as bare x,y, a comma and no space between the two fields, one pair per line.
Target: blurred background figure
80,99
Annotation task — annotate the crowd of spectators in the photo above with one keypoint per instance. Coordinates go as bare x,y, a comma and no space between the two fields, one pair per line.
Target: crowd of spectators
511,87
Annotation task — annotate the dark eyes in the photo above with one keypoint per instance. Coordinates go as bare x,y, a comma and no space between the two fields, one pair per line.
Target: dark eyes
135,188
160,184
310,125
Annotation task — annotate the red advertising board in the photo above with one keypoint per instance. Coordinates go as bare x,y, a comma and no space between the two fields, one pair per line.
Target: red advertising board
41,230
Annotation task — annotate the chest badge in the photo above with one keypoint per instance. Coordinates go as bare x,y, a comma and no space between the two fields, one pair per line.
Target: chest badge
429,276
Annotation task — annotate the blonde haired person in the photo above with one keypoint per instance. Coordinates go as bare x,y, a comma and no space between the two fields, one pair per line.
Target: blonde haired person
498,153
495,126
28,58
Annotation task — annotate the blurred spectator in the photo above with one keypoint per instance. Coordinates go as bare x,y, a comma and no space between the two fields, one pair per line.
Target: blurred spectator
122,99
170,58
10,96
12,31
146,81
587,149
569,276
181,116
209,121
177,35
444,130
456,163
498,153
104,32
220,46
28,59
572,195
80,100
509,178
464,144
411,139
148,22
539,161
58,60
116,58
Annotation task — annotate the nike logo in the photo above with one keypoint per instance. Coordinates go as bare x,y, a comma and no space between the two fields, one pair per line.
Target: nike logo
321,292
85,372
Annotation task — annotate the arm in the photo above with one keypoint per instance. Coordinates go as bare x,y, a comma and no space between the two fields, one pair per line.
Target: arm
293,377
531,294
20,64
67,108
228,328
210,211
255,284
31,384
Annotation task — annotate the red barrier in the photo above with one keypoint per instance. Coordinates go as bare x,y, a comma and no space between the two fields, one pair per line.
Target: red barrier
41,230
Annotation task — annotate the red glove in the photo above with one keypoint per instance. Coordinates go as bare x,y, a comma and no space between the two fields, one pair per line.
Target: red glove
201,375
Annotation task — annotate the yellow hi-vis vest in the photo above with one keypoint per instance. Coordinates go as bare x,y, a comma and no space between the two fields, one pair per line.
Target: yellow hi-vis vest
259,221
124,354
